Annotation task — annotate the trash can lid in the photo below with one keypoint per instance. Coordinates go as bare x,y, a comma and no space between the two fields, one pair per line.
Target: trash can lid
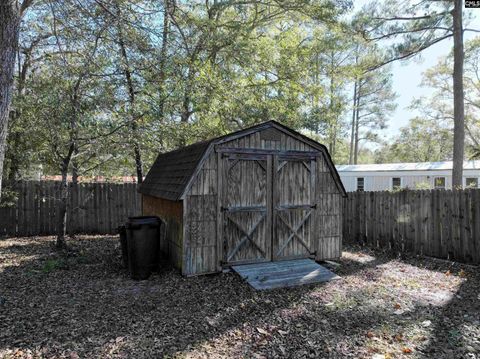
143,219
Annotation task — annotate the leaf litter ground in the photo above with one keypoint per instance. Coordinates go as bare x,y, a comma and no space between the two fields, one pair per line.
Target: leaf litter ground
84,305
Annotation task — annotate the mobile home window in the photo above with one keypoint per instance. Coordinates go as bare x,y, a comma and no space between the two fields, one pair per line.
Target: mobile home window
439,183
471,182
396,182
360,184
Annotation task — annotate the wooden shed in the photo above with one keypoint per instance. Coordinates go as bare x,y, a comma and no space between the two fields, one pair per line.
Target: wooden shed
266,193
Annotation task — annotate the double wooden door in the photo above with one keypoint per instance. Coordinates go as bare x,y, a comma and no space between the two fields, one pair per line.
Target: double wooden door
267,206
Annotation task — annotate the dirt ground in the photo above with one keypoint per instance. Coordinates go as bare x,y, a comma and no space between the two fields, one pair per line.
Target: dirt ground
85,305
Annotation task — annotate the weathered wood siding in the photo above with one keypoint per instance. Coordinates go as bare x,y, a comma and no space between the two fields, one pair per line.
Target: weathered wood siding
245,198
329,214
200,213
171,212
437,223
203,246
269,139
92,208
294,210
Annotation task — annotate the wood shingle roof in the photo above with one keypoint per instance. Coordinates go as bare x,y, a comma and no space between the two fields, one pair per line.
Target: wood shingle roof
171,171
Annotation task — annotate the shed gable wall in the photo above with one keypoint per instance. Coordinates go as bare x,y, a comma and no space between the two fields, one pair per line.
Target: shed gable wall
269,138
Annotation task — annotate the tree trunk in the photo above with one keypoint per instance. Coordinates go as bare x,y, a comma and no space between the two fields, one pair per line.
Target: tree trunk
458,97
356,140
138,162
75,168
186,103
357,124
332,125
352,135
131,96
62,207
9,31
14,168
74,172
163,59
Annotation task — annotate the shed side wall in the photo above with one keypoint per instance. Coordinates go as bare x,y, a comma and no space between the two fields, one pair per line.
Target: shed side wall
171,212
329,214
200,252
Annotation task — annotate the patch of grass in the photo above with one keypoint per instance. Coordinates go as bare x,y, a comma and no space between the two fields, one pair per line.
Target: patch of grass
343,302
454,336
411,283
51,265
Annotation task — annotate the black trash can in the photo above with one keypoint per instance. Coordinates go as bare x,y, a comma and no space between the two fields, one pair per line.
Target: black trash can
122,231
143,243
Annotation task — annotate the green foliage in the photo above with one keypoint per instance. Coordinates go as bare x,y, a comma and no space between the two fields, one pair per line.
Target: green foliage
51,265
9,196
422,140
429,137
124,76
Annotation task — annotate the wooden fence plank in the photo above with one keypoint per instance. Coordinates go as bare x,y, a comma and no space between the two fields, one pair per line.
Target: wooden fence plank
439,223
92,208
444,224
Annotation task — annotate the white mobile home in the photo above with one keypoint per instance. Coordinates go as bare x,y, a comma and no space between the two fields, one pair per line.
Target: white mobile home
421,175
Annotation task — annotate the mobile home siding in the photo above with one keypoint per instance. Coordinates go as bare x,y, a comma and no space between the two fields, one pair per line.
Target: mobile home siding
378,177
383,181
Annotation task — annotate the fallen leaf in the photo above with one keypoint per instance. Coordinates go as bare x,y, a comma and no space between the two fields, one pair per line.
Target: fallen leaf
407,350
397,306
211,321
262,331
462,273
258,356
370,334
447,273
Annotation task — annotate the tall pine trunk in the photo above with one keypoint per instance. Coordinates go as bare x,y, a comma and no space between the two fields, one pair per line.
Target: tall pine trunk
9,31
131,97
458,97
352,135
163,59
356,139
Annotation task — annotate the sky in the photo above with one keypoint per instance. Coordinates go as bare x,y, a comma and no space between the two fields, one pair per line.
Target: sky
407,76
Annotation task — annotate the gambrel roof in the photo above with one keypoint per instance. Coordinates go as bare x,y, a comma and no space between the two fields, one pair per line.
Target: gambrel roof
172,172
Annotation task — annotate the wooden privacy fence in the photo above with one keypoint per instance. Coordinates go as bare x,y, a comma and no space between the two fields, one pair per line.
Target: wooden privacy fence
438,223
94,208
